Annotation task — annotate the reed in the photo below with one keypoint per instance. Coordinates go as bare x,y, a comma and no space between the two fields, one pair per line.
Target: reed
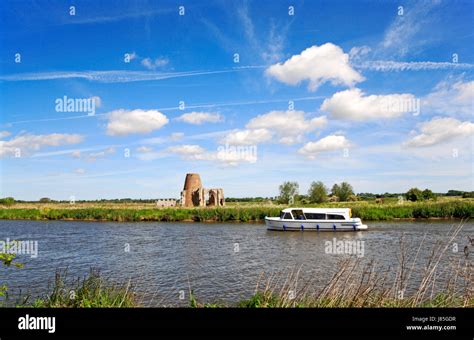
90,291
364,210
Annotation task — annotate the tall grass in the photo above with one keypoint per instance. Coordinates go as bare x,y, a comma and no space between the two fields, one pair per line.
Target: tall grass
90,291
366,211
136,215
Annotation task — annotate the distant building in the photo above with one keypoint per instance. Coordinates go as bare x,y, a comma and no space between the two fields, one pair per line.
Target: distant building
194,195
165,203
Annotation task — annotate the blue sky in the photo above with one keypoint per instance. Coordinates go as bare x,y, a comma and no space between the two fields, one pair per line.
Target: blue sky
247,93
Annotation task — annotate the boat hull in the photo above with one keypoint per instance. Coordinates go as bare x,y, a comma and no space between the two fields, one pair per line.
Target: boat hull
314,225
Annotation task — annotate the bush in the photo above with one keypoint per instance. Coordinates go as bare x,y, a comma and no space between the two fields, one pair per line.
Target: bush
427,194
7,201
414,194
468,194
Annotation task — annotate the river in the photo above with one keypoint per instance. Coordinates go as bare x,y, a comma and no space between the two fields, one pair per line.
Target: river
220,262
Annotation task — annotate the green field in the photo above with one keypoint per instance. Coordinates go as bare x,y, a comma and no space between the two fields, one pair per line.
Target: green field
236,212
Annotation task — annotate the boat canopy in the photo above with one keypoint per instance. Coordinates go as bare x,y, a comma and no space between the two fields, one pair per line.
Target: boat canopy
316,214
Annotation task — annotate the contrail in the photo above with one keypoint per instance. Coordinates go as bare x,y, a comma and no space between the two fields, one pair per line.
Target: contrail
172,108
114,76
388,66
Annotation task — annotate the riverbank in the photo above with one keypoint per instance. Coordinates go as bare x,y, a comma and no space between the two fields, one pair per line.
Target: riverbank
460,209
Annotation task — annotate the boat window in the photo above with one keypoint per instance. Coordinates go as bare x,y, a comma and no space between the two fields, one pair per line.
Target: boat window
335,217
313,216
282,214
287,216
298,214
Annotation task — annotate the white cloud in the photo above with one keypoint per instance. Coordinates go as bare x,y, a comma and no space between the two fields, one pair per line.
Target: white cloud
329,143
176,136
317,64
232,156
247,137
264,44
284,127
100,154
357,52
79,171
144,149
76,154
352,104
403,34
153,64
26,143
189,151
289,126
451,98
440,130
4,134
197,118
402,30
225,155
124,122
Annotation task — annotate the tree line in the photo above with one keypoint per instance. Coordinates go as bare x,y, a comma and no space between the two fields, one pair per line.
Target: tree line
343,192
317,193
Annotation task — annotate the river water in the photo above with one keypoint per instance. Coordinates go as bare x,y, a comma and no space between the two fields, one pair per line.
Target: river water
220,262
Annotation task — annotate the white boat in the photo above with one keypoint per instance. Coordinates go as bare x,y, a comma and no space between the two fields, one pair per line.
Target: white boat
315,219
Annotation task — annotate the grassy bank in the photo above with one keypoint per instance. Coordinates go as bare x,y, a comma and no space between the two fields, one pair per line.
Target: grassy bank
91,291
365,210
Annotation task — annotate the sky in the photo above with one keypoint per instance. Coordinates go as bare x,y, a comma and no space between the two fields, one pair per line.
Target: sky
120,99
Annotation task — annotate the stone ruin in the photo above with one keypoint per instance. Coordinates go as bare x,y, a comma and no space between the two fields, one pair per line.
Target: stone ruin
166,203
194,195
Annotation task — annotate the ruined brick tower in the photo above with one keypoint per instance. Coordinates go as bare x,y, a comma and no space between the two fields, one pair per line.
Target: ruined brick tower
191,195
194,195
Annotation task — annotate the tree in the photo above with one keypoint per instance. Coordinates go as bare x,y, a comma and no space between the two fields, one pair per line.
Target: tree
468,194
317,192
346,191
414,194
7,201
288,190
427,194
454,193
343,191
